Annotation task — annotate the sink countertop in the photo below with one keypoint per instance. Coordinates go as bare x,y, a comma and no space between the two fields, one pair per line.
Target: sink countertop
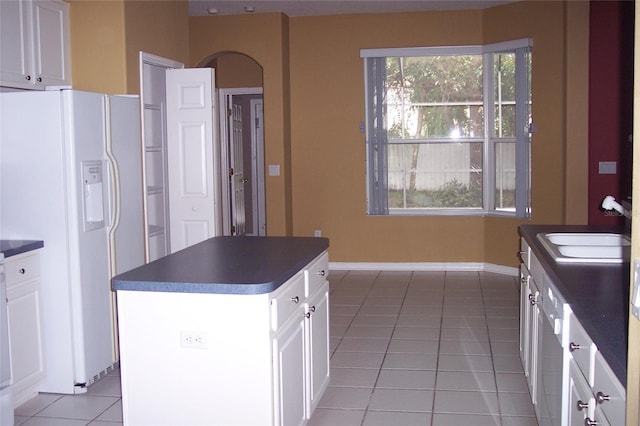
10,248
226,265
598,293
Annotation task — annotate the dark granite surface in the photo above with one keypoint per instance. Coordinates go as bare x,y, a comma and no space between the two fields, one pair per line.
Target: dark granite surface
226,265
10,248
597,293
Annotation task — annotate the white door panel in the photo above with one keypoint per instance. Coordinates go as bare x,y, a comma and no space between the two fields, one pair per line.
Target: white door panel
192,157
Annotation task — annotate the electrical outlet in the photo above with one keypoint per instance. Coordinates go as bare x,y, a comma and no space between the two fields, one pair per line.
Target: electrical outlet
193,339
317,233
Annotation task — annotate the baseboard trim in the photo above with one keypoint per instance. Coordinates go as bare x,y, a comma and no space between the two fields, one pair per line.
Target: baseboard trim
423,266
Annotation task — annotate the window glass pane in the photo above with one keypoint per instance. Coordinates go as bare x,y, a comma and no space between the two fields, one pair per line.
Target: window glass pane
504,74
505,161
435,175
435,97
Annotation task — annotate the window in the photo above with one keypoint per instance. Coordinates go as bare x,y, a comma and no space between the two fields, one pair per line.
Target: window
448,129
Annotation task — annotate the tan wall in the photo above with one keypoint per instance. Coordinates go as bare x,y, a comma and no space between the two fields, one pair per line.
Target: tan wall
263,37
313,91
106,36
559,144
236,70
327,104
160,27
328,148
98,62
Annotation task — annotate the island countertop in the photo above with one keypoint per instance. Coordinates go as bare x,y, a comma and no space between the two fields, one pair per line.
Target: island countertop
225,265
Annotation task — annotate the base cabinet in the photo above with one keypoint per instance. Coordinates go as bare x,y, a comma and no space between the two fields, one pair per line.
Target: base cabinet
591,394
289,374
317,347
225,359
25,330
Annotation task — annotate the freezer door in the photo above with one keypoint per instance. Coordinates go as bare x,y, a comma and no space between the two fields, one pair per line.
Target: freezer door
124,153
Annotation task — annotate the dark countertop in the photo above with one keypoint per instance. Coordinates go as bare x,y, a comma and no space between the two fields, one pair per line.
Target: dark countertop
597,293
226,265
10,248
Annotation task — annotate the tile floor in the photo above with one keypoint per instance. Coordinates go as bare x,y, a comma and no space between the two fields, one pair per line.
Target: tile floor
408,348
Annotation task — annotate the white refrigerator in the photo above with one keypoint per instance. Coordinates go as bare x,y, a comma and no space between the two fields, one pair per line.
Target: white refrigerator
70,175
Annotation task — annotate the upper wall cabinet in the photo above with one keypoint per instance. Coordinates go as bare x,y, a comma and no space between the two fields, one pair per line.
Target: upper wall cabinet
34,44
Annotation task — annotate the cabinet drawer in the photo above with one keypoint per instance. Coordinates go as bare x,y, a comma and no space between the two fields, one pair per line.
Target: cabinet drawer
582,348
21,269
286,300
316,274
610,395
581,401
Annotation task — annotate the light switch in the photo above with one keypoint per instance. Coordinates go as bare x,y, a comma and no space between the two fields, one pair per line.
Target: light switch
274,169
607,167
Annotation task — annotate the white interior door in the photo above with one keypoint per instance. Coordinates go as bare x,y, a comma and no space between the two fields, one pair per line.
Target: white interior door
237,177
249,158
193,157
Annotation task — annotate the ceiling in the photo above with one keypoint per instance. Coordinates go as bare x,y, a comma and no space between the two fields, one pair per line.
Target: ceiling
332,7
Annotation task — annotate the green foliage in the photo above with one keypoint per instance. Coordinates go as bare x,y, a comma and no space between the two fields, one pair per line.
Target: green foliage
456,194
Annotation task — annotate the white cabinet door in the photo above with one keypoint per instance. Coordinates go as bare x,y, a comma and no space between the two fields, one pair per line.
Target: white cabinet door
193,157
524,317
533,299
34,44
25,325
15,55
289,374
317,346
51,55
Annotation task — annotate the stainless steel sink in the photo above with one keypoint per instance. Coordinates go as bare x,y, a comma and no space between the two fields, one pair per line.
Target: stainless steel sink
587,247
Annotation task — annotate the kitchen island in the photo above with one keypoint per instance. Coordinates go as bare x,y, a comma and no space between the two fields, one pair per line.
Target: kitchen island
230,331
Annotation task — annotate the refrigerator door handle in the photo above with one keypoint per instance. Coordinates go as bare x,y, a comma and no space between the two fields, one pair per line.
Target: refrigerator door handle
114,188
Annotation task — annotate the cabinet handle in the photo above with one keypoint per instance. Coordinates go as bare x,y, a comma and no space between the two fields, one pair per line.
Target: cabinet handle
313,308
22,271
28,78
521,254
573,347
589,422
532,300
322,273
581,405
600,397
295,299
307,315
523,279
39,79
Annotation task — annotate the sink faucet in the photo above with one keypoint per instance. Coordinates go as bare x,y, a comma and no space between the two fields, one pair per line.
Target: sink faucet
610,203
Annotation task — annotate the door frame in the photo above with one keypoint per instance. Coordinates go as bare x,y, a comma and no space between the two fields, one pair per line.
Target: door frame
153,96
225,96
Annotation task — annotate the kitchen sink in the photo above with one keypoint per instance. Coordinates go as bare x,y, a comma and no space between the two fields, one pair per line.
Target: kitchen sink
587,247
